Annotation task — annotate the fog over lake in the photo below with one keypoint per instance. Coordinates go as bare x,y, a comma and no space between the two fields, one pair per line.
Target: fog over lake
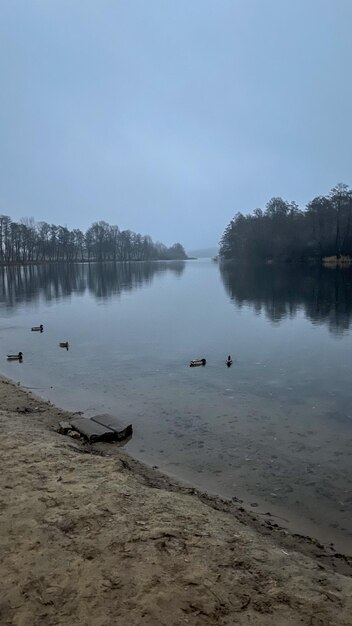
274,429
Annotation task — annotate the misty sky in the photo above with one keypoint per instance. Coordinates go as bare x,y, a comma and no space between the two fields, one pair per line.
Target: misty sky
167,117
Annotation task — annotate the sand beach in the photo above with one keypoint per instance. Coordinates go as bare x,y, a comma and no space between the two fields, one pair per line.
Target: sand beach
97,539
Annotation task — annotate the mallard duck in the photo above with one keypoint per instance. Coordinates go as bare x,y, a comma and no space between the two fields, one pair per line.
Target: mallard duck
197,362
64,344
15,357
229,361
39,328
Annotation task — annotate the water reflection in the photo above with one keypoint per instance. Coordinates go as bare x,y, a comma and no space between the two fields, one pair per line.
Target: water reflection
325,295
55,282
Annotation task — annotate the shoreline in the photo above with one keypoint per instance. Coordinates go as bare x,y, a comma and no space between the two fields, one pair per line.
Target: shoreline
91,537
255,504
89,262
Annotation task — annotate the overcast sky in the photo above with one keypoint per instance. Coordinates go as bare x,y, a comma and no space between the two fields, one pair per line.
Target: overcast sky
168,116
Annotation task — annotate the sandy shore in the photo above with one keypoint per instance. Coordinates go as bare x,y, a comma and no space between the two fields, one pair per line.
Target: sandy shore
91,538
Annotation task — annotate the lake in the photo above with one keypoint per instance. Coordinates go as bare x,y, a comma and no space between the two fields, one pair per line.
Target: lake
275,429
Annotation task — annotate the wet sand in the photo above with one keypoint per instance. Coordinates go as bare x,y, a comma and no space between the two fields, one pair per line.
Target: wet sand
93,538
293,461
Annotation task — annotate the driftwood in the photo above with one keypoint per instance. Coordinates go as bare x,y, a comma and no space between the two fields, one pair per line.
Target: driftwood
98,428
114,424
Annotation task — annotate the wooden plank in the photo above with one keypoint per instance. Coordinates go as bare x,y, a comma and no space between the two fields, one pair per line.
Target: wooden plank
112,422
109,421
92,431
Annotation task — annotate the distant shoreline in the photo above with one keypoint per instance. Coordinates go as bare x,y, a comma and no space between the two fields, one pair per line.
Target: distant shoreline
86,262
332,262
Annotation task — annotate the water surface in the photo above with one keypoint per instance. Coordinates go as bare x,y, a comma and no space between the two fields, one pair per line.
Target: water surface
274,429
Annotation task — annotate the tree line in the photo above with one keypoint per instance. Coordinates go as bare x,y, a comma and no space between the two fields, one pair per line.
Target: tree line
30,242
284,232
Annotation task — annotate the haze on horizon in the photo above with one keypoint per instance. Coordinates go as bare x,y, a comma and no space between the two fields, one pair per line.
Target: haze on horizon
168,118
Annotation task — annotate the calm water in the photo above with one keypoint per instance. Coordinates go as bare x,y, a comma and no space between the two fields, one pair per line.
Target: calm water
274,429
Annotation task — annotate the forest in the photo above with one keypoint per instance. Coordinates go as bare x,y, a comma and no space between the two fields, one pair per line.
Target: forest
283,232
30,242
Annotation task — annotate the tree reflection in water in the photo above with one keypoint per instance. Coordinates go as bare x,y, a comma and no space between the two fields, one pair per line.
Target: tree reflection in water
323,294
20,284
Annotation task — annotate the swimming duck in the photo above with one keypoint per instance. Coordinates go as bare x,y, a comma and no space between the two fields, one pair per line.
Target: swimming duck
197,362
64,344
229,361
15,357
39,328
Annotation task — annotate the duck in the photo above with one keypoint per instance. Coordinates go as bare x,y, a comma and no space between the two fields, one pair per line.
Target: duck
15,357
229,361
64,344
197,362
38,328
